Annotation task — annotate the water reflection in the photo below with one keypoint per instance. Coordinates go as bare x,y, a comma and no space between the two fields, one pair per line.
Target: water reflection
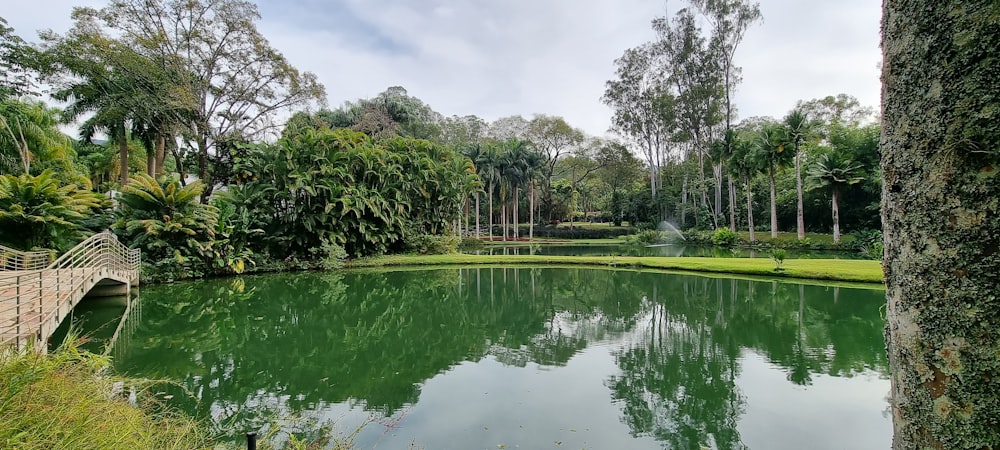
662,353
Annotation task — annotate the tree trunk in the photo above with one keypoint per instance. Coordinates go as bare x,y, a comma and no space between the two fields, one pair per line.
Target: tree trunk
477,214
684,202
490,212
717,213
800,221
531,211
161,154
774,204
836,217
123,156
503,218
178,162
516,218
753,235
732,203
151,161
941,217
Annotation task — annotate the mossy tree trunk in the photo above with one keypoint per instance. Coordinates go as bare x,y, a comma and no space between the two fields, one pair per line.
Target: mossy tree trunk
941,213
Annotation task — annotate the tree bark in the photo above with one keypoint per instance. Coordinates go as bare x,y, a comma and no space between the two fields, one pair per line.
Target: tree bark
774,204
123,156
531,211
753,234
477,213
941,218
800,221
732,203
490,212
836,217
161,154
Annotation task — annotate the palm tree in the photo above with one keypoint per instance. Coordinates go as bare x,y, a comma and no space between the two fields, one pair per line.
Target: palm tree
487,164
836,173
475,152
533,163
29,132
773,140
800,128
744,162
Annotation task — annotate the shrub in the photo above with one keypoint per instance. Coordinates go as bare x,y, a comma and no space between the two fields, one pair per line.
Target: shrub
471,244
168,223
38,212
647,237
428,244
725,237
778,256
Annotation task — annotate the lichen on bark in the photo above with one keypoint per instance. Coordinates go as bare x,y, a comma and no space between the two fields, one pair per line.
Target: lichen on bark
940,148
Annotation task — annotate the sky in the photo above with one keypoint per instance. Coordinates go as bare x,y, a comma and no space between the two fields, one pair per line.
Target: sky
500,58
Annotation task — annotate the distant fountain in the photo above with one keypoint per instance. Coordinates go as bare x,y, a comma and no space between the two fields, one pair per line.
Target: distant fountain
669,233
667,226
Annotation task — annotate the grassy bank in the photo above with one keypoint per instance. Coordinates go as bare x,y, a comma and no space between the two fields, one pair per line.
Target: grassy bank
67,400
818,269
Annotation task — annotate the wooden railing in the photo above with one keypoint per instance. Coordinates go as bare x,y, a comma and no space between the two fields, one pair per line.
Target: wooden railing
11,259
34,300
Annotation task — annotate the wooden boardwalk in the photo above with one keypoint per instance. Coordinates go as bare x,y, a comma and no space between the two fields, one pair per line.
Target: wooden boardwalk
34,299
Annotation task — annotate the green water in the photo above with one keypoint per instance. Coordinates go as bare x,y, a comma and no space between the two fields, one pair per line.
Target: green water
657,250
522,358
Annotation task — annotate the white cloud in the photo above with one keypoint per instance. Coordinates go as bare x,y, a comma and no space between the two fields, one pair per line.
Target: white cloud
497,58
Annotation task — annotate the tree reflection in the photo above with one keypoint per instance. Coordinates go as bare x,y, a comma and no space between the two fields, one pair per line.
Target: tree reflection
253,348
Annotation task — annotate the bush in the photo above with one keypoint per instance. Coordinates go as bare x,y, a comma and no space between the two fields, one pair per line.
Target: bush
39,212
647,237
778,256
471,244
427,244
725,237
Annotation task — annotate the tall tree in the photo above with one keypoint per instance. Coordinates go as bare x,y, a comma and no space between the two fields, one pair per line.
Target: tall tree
237,80
18,62
773,140
800,129
643,107
553,138
941,218
835,172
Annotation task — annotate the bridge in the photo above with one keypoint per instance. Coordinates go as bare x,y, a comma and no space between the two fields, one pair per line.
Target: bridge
37,293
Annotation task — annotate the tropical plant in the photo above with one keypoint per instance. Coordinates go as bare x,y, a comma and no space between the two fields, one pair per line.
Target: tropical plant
40,212
800,129
29,134
835,173
773,141
725,237
175,232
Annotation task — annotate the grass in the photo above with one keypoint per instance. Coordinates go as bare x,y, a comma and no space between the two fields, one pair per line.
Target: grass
67,400
792,237
859,271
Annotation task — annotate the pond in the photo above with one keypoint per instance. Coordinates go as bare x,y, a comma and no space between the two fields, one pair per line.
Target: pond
657,250
522,358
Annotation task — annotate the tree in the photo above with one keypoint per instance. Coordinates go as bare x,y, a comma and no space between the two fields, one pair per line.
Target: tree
29,134
772,140
237,82
643,108
941,218
834,172
800,129
18,62
553,138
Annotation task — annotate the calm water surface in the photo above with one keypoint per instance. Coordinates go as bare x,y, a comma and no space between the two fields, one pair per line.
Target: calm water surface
657,250
523,358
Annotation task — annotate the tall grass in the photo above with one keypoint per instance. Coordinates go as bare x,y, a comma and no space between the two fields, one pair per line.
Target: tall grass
69,400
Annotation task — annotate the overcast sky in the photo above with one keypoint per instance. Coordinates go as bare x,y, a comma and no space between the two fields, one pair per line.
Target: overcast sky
499,58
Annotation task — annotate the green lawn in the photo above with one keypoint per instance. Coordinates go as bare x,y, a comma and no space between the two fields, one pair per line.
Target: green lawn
860,271
786,236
